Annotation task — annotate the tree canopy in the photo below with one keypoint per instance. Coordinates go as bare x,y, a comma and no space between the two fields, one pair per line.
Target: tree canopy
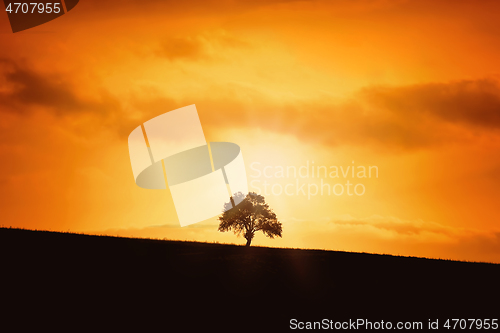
250,215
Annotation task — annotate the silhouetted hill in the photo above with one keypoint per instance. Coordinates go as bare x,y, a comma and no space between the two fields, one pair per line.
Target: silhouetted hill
73,279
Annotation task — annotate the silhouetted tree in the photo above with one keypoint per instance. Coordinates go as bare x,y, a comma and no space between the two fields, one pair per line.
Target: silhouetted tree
251,214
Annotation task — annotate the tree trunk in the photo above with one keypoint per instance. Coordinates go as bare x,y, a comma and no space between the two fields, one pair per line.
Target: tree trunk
249,240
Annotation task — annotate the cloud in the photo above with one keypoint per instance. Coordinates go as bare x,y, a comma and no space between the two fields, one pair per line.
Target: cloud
407,117
468,102
388,234
399,227
24,88
387,117
213,45
182,48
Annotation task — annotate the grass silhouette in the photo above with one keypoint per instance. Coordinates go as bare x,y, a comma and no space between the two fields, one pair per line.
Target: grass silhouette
198,286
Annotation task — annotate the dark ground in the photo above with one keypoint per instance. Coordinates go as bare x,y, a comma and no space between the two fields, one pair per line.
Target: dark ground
72,281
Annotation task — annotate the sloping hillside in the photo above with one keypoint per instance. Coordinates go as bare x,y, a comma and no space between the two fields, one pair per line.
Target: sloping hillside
76,279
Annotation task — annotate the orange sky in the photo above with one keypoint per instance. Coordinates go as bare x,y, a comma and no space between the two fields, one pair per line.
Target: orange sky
411,87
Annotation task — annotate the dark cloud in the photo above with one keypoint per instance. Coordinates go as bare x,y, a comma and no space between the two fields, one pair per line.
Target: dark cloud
409,117
24,88
182,48
205,46
472,102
